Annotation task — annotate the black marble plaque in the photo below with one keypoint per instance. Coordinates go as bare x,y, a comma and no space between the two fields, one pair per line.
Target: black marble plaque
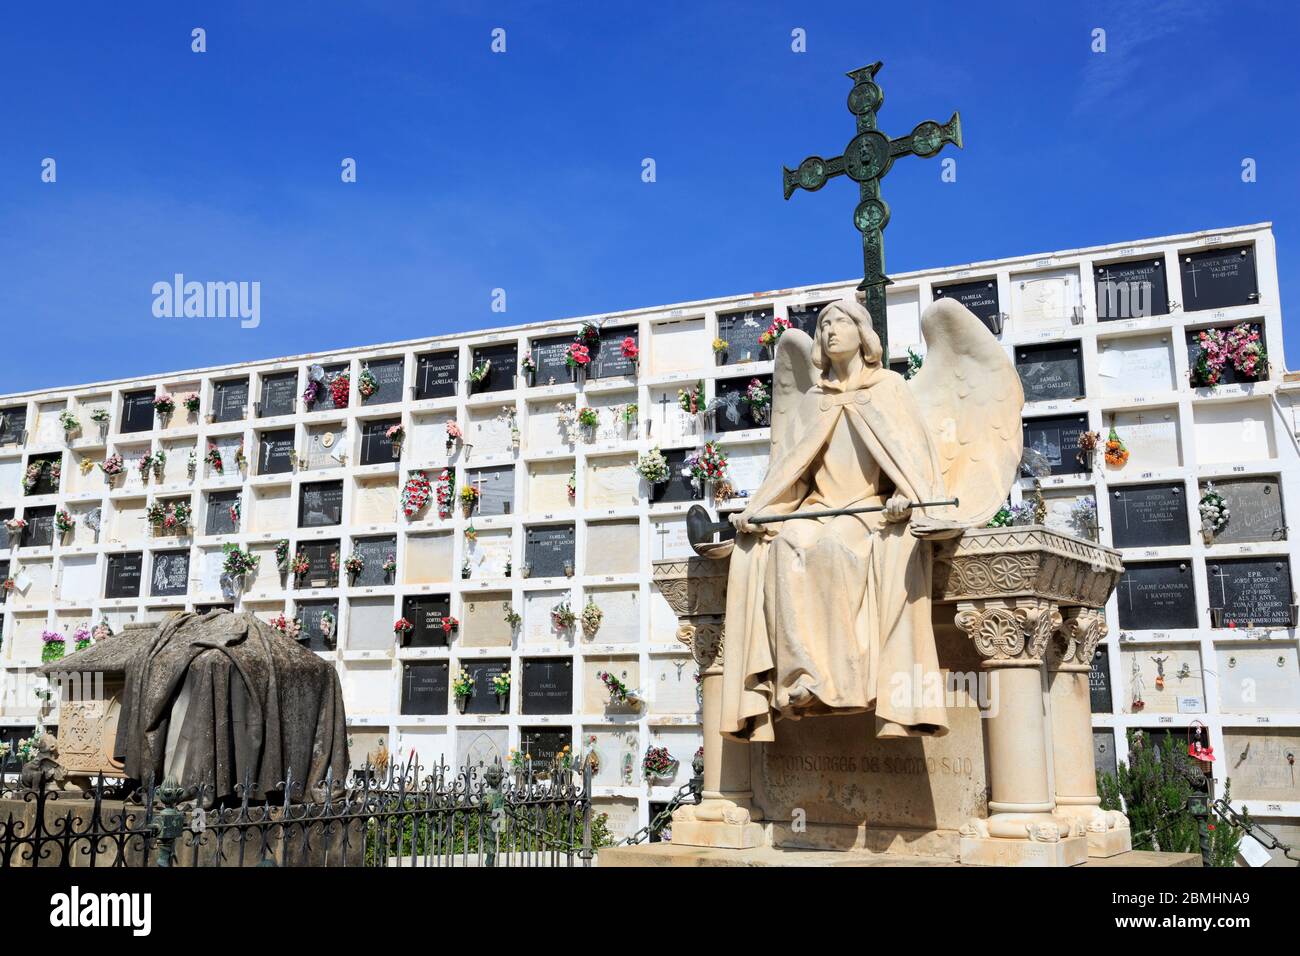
374,551
171,573
123,579
437,375
1253,592
312,615
324,397
1103,751
980,296
547,685
11,765
426,613
39,532
484,698
425,687
1156,595
46,484
1228,374
376,446
1050,373
275,452
733,413
137,411
388,374
804,317
496,489
609,361
1053,444
220,520
230,400
1218,278
1254,510
543,744
320,575
741,330
678,487
548,550
1149,516
548,356
13,422
501,374
279,393
1099,682
1131,290
321,504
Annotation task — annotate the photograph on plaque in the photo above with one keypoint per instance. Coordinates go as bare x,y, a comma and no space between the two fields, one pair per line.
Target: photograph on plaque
1052,445
1131,290
320,504
732,408
1254,509
39,532
137,411
1250,592
1227,372
426,687
496,489
549,551
230,400
319,574
13,422
609,360
547,685
1156,595
388,374
373,552
171,573
741,331
426,612
437,375
376,446
483,699
498,364
548,360
279,394
1099,682
1218,278
275,452
679,486
1050,373
319,624
123,577
1149,516
220,512
980,296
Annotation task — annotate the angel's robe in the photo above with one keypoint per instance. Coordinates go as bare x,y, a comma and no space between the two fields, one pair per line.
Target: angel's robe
832,615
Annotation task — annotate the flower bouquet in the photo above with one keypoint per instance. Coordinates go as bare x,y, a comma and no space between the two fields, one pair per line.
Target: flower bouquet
444,493
658,765
367,384
1214,512
1116,453
15,526
462,689
501,687
396,434
707,464
402,626
449,624
354,564
390,565
592,616
70,424
301,564
1088,442
620,695
340,388
238,562
112,466
81,638
164,405
772,336
415,493
562,617
454,434
468,499
588,419
691,400
513,617
63,522
190,402
213,458
53,646
652,466
578,357
282,555
759,399
630,350
479,373
289,627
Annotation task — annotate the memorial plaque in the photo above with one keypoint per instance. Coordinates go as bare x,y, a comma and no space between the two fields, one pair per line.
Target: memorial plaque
484,698
1229,374
39,532
1050,373
1258,679
481,746
13,422
123,579
320,504
1253,592
374,551
1103,752
320,629
388,375
1099,682
230,400
219,518
548,355
733,412
279,394
740,330
327,445
1135,364
426,613
549,550
426,687
46,484
324,397
376,446
137,411
1131,290
496,487
804,317
1261,764
275,452
171,573
1219,278
1149,516
1156,595
1254,510
320,574
678,487
544,744
504,361
609,361
980,296
547,685
437,375
1055,444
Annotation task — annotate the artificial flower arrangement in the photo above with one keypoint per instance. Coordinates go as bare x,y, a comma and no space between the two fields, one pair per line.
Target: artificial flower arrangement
1083,517
479,373
566,416
468,499
390,564
340,389
462,688
652,466
592,616
53,646
510,418
562,617
159,464
1088,442
236,511
691,400
773,334
630,415
396,435
15,525
145,466
1241,346
449,624
914,363
1214,512
402,626
63,522
471,533
85,466
289,627
112,466
164,405
101,631
333,561
192,464
527,364
282,555
571,486
720,346
32,476
707,464
327,622
415,493
578,356
190,402
310,394
465,570
501,684
301,564
513,617
454,434
354,564
101,416
619,693
445,490
213,458
588,335
69,423
81,638
238,562
588,418
367,384
241,460
1000,520
759,400
630,350
172,516
1116,452
658,764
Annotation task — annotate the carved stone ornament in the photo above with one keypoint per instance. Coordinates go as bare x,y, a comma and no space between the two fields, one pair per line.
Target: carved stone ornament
1080,633
704,638
1002,632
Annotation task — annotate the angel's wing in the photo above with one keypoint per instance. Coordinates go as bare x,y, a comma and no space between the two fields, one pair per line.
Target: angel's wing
971,399
793,377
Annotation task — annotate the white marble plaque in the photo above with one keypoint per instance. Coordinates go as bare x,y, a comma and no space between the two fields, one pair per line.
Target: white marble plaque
682,744
904,312
610,409
484,620
595,698
488,432
1044,299
537,617
673,687
267,577
376,501
370,624
273,509
1234,432
49,430
1166,679
131,456
668,423
11,477
1258,680
367,688
1132,366
177,467
489,554
41,589
668,540
620,815
663,619
428,559
1151,438
425,747
548,486
481,746
748,467
25,645
129,523
678,346
79,578
622,621
612,482
617,756
228,446
1259,765
615,546
544,429
326,444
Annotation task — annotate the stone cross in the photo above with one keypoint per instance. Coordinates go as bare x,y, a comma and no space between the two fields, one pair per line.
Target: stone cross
866,160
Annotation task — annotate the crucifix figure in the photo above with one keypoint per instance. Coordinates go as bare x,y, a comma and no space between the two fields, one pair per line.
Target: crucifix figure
866,160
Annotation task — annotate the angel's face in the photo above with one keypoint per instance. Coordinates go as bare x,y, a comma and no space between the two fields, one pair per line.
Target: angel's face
839,335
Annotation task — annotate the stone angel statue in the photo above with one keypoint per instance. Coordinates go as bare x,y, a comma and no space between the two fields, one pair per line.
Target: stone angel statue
832,615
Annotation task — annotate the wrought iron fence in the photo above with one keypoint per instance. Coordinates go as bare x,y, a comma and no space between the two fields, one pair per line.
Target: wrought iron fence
404,816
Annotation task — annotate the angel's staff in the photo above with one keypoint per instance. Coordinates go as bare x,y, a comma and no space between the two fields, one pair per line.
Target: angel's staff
700,528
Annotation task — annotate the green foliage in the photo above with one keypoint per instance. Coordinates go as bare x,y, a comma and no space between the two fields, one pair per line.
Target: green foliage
1153,793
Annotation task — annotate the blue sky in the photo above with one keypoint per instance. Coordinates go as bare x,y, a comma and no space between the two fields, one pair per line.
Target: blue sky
522,170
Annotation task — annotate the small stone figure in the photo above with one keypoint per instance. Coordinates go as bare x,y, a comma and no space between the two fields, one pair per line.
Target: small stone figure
43,771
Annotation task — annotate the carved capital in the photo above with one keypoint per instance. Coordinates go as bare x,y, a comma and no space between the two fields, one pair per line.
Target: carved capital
704,638
1009,631
1080,633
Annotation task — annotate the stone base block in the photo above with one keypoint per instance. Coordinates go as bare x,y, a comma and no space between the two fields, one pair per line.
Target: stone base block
992,851
714,833
1109,843
940,844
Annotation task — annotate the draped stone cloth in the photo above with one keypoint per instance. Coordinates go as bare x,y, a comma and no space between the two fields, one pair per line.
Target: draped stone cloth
832,615
218,698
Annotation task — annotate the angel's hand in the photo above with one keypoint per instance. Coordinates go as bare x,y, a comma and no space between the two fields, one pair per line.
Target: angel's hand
897,509
743,524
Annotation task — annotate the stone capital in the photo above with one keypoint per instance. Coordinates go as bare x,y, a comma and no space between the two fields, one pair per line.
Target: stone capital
1082,629
704,638
1014,631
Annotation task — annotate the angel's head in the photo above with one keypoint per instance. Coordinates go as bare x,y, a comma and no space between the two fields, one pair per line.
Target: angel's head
844,327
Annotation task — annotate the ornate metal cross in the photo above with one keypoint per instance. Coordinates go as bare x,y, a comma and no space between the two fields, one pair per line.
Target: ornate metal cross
866,160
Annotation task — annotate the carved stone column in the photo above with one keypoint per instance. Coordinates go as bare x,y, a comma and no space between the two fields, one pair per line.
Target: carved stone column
1068,663
696,590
